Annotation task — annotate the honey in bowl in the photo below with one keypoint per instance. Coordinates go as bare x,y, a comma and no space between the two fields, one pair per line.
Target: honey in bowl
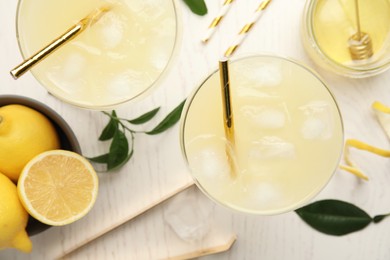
331,28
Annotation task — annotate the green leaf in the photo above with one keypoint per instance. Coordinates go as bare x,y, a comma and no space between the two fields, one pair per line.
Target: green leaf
110,129
171,119
145,117
120,164
334,217
379,218
197,6
100,159
119,150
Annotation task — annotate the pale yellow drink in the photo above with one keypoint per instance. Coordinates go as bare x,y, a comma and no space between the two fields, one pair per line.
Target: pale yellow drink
288,136
115,60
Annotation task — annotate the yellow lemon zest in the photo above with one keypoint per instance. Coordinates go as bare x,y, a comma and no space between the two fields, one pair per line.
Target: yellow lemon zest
382,112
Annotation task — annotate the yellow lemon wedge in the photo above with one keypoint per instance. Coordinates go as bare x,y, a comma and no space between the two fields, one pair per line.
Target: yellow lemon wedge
13,218
58,187
24,133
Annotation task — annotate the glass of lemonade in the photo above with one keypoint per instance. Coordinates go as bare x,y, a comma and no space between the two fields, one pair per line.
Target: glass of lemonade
288,136
115,60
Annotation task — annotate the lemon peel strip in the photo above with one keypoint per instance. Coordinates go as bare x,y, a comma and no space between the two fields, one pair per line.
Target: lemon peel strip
351,167
382,113
353,143
380,107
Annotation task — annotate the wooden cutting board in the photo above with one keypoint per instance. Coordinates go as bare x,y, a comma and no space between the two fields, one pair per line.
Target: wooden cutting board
183,227
155,173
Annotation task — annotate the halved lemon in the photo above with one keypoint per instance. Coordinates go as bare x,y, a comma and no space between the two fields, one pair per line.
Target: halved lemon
58,187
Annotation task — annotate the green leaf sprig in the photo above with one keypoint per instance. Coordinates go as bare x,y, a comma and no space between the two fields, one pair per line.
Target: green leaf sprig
118,129
335,217
197,6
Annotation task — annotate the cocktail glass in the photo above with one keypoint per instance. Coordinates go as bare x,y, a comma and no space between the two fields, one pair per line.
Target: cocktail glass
288,136
117,59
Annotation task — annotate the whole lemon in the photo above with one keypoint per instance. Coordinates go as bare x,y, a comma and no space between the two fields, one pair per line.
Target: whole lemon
13,218
24,133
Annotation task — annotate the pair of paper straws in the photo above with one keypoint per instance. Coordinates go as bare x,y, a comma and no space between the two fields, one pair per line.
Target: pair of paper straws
243,32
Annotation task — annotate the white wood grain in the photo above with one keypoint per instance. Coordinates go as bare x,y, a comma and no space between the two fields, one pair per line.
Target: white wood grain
151,237
158,167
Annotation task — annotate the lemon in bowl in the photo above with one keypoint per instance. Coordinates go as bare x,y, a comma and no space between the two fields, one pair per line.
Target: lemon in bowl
13,218
65,137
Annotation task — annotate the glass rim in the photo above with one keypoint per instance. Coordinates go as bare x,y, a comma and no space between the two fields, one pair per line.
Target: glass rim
308,196
134,98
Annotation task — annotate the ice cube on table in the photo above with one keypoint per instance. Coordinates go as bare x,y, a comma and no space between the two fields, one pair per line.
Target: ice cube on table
271,148
318,122
266,117
188,215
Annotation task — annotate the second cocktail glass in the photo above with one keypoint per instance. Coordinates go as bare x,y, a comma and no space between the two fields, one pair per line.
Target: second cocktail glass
288,136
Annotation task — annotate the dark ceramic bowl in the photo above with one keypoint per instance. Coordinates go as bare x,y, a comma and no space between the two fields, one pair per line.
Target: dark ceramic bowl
68,140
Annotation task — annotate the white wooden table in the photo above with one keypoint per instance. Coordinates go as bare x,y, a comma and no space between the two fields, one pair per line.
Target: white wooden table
158,158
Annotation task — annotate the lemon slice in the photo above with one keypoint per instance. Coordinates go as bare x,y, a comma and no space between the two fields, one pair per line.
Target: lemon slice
58,187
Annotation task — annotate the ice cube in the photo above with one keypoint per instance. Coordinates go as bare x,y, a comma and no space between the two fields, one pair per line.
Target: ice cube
259,75
111,30
211,158
74,66
147,9
313,128
136,6
211,163
189,215
126,83
265,193
267,117
318,122
271,148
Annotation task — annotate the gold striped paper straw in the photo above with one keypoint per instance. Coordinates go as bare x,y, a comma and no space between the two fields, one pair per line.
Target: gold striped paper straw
244,31
211,29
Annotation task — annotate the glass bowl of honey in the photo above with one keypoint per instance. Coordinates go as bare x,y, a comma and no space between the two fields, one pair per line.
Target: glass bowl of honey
348,37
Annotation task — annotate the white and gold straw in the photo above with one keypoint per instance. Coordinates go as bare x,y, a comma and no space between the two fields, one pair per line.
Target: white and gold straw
244,31
213,25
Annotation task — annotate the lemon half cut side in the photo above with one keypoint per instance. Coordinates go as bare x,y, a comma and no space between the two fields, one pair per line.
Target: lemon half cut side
58,187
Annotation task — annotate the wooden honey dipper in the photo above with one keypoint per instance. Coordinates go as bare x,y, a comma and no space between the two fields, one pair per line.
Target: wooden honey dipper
360,44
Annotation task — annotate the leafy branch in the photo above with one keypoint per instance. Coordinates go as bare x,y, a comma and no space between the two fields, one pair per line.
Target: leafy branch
118,129
335,217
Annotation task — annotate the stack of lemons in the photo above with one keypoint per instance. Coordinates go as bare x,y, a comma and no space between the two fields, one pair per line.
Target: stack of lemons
54,186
